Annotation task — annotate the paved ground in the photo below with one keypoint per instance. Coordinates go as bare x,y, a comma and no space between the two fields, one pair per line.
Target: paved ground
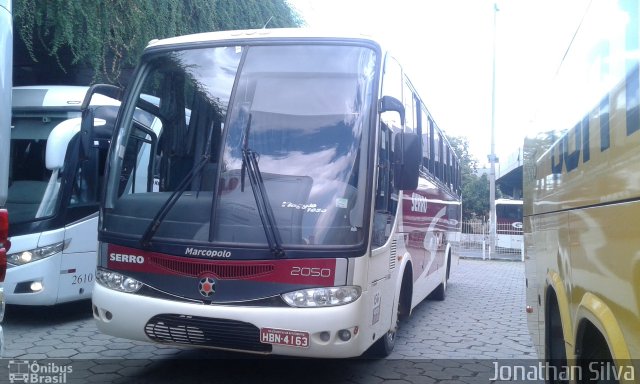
482,317
459,340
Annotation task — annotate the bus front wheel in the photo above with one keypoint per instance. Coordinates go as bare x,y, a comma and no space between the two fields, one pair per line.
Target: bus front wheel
384,346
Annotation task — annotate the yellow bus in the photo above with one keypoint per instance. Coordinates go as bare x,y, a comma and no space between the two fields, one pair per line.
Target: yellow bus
582,203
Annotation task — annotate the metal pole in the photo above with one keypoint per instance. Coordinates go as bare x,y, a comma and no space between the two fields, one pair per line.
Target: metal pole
492,156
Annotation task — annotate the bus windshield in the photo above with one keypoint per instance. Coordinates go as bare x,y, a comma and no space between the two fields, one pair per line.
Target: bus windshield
33,192
509,212
301,112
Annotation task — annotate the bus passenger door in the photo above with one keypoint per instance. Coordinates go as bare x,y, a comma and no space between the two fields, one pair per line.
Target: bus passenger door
81,195
384,247
383,263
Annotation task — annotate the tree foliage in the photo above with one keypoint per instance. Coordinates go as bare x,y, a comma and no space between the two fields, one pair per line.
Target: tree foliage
468,164
475,189
475,198
108,35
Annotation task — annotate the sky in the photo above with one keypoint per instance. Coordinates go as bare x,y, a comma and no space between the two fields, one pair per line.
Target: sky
446,47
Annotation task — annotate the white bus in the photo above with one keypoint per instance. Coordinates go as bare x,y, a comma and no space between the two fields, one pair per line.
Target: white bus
53,195
509,224
308,205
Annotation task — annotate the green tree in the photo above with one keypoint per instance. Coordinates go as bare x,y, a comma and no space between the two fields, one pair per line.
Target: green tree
475,198
475,189
107,36
468,164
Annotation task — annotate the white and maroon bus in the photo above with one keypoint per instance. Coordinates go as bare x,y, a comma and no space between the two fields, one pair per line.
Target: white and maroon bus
306,204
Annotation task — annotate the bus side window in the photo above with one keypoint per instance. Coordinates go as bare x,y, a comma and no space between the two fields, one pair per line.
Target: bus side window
411,120
136,176
386,197
80,193
87,183
426,134
392,85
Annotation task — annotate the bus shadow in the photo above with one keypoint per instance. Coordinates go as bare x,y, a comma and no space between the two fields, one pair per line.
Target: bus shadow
221,368
25,315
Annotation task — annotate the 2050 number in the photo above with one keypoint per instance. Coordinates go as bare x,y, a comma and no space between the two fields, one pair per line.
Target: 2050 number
310,272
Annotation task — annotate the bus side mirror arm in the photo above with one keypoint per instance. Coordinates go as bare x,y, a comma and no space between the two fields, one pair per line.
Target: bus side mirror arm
86,126
86,132
104,89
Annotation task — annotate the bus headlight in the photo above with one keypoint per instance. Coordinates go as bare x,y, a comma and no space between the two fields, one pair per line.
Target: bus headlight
117,281
322,297
25,257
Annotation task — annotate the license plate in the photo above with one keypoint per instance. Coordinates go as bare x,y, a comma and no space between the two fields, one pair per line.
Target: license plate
284,337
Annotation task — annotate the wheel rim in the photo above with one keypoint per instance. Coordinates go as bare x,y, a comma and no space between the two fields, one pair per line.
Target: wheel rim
391,336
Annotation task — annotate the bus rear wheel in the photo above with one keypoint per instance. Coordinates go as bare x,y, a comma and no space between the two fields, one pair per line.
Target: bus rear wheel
439,294
595,359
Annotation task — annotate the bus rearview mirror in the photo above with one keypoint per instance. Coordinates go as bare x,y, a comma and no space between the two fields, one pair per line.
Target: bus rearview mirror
407,156
391,104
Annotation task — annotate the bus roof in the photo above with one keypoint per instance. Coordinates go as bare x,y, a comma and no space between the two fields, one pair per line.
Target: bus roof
55,96
257,34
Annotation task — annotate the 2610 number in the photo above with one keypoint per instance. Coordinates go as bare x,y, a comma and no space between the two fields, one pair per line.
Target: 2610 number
83,278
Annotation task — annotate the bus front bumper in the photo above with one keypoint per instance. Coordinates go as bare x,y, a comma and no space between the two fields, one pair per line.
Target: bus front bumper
138,317
53,280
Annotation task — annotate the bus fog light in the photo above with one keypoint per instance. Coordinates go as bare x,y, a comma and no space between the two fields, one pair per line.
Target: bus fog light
322,297
36,286
117,281
344,335
324,336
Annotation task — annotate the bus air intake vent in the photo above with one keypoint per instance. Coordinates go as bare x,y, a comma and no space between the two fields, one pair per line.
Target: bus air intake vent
393,254
206,332
226,270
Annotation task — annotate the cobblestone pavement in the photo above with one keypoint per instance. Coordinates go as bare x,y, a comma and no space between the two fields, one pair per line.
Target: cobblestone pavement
459,340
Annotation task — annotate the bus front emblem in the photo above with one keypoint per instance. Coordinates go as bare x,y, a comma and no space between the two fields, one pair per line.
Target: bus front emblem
207,286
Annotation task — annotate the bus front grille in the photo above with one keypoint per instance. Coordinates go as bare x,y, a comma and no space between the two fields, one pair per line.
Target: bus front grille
222,270
205,332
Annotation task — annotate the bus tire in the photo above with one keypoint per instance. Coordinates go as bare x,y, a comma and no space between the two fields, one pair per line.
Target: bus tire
555,351
439,294
594,350
384,345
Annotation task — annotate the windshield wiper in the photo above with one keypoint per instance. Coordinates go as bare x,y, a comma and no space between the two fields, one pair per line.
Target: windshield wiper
250,164
184,183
